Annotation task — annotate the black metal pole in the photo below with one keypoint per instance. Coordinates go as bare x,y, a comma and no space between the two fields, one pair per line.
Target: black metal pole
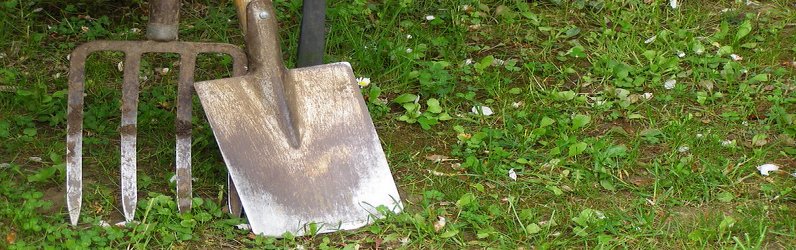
313,33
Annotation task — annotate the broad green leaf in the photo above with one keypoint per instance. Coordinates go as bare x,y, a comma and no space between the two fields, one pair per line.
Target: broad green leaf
5,128
577,52
555,189
448,234
433,106
533,228
579,231
515,91
608,185
43,174
30,132
426,122
577,148
698,48
743,30
726,223
485,62
650,54
565,95
759,78
580,121
621,71
465,200
725,50
546,121
405,98
725,196
574,31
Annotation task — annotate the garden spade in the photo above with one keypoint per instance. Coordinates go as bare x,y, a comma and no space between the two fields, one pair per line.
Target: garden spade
299,143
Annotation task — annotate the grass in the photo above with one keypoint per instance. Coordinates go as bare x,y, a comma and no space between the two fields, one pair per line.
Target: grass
628,124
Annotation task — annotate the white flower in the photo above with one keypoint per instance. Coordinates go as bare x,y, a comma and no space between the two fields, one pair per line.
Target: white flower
699,51
409,36
736,57
120,66
512,174
135,30
699,135
765,168
5,165
651,39
517,104
673,4
648,95
727,143
669,84
103,223
599,214
409,50
164,71
482,110
468,61
440,223
244,226
680,54
404,241
683,149
430,17
363,82
498,62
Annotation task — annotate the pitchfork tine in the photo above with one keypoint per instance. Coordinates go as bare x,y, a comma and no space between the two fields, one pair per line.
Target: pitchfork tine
183,124
128,134
74,135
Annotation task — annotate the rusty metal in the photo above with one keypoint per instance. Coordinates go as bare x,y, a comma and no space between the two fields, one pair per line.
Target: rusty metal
133,51
299,143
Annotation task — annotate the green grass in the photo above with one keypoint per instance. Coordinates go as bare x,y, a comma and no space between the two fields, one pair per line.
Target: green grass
606,155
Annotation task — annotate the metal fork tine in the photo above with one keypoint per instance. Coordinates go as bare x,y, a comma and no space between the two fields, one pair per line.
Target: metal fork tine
184,101
74,135
128,130
128,134
233,200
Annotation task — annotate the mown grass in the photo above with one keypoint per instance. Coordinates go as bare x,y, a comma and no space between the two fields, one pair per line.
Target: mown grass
607,152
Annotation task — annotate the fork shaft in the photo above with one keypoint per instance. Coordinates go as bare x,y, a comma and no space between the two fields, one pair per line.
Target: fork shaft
128,133
164,18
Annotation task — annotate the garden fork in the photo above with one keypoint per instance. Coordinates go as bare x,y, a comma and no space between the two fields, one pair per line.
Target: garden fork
162,34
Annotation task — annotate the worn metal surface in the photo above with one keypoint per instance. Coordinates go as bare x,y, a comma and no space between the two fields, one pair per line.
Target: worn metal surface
164,18
299,143
133,51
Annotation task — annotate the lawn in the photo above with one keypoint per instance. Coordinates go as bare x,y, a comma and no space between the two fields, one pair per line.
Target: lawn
507,124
